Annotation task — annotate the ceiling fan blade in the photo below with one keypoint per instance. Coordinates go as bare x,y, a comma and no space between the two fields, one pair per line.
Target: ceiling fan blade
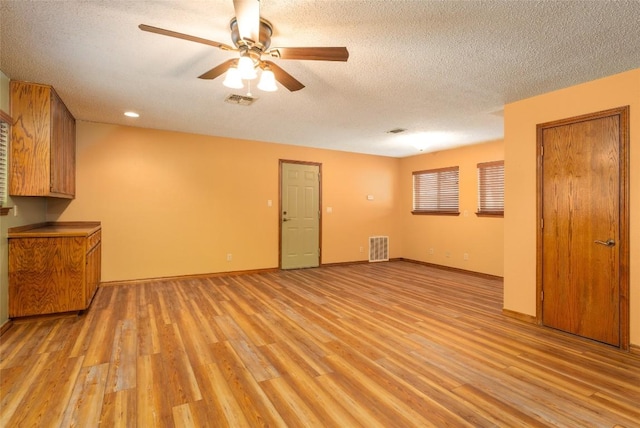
285,79
318,54
177,35
218,70
248,17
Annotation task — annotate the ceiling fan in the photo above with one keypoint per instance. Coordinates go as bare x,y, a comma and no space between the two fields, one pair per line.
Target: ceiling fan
251,36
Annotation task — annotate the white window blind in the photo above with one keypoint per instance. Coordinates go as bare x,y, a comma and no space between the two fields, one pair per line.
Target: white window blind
4,144
435,191
491,188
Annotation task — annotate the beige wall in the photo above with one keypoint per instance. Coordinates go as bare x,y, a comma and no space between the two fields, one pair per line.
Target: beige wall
480,237
175,204
521,119
30,210
4,92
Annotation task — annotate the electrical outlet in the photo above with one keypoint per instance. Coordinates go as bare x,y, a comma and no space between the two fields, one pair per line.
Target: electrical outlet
447,254
229,257
431,251
362,249
465,256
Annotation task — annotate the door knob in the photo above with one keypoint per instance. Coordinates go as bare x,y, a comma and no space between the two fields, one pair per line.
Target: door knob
285,219
609,243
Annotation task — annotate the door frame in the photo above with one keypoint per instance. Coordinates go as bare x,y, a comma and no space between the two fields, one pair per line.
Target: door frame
319,165
623,113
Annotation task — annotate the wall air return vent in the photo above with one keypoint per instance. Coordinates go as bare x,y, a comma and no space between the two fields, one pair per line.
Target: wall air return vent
241,100
378,248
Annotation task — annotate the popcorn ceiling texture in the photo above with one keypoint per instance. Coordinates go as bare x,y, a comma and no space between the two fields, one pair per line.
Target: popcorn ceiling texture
425,66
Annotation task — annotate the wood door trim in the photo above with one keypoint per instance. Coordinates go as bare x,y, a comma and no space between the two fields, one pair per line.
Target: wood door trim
319,165
623,113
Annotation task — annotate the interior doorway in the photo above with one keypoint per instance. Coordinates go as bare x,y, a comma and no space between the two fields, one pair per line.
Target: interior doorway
583,233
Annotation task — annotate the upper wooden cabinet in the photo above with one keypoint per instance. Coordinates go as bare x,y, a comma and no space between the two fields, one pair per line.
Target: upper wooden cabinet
43,143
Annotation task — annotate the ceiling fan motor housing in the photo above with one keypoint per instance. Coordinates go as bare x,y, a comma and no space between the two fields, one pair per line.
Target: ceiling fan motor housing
266,30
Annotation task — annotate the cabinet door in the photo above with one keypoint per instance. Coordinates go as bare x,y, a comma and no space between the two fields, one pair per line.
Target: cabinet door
30,139
93,272
46,275
63,150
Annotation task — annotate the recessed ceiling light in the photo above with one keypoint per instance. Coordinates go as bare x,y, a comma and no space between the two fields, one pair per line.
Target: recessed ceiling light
428,140
131,114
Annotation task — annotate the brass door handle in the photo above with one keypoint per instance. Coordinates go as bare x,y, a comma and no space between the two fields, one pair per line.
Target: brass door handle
609,243
285,219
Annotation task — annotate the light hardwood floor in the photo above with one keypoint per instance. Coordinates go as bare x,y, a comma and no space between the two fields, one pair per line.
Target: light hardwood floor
375,345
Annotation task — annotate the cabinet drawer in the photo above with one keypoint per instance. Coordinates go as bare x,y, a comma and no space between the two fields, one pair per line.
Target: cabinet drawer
93,240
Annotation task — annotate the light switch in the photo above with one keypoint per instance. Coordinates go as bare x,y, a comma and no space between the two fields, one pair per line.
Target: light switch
329,210
369,197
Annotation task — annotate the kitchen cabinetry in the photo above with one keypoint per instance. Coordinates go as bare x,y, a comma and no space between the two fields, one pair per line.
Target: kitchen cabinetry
43,143
53,267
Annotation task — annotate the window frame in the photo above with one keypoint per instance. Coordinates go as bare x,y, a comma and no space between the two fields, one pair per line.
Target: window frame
440,175
483,169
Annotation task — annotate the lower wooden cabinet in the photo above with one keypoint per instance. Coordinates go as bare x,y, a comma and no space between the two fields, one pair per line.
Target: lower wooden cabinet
53,267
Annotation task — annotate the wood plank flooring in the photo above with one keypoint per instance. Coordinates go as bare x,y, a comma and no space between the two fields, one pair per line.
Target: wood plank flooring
372,345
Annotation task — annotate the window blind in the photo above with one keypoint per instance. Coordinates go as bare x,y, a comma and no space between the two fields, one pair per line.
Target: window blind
491,188
436,191
4,144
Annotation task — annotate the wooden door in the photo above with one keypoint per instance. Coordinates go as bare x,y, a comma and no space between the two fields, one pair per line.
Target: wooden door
300,215
583,233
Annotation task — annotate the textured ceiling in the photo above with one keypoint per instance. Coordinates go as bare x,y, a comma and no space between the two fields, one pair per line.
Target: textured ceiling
441,70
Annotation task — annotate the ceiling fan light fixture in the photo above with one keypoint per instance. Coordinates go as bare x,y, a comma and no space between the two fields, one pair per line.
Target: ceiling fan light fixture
247,68
233,79
267,81
251,36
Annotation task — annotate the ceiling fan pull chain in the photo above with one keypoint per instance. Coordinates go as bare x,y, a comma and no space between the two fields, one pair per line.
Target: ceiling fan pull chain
249,88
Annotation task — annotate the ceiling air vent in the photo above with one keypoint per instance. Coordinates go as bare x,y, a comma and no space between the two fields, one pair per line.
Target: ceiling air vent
396,130
241,100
